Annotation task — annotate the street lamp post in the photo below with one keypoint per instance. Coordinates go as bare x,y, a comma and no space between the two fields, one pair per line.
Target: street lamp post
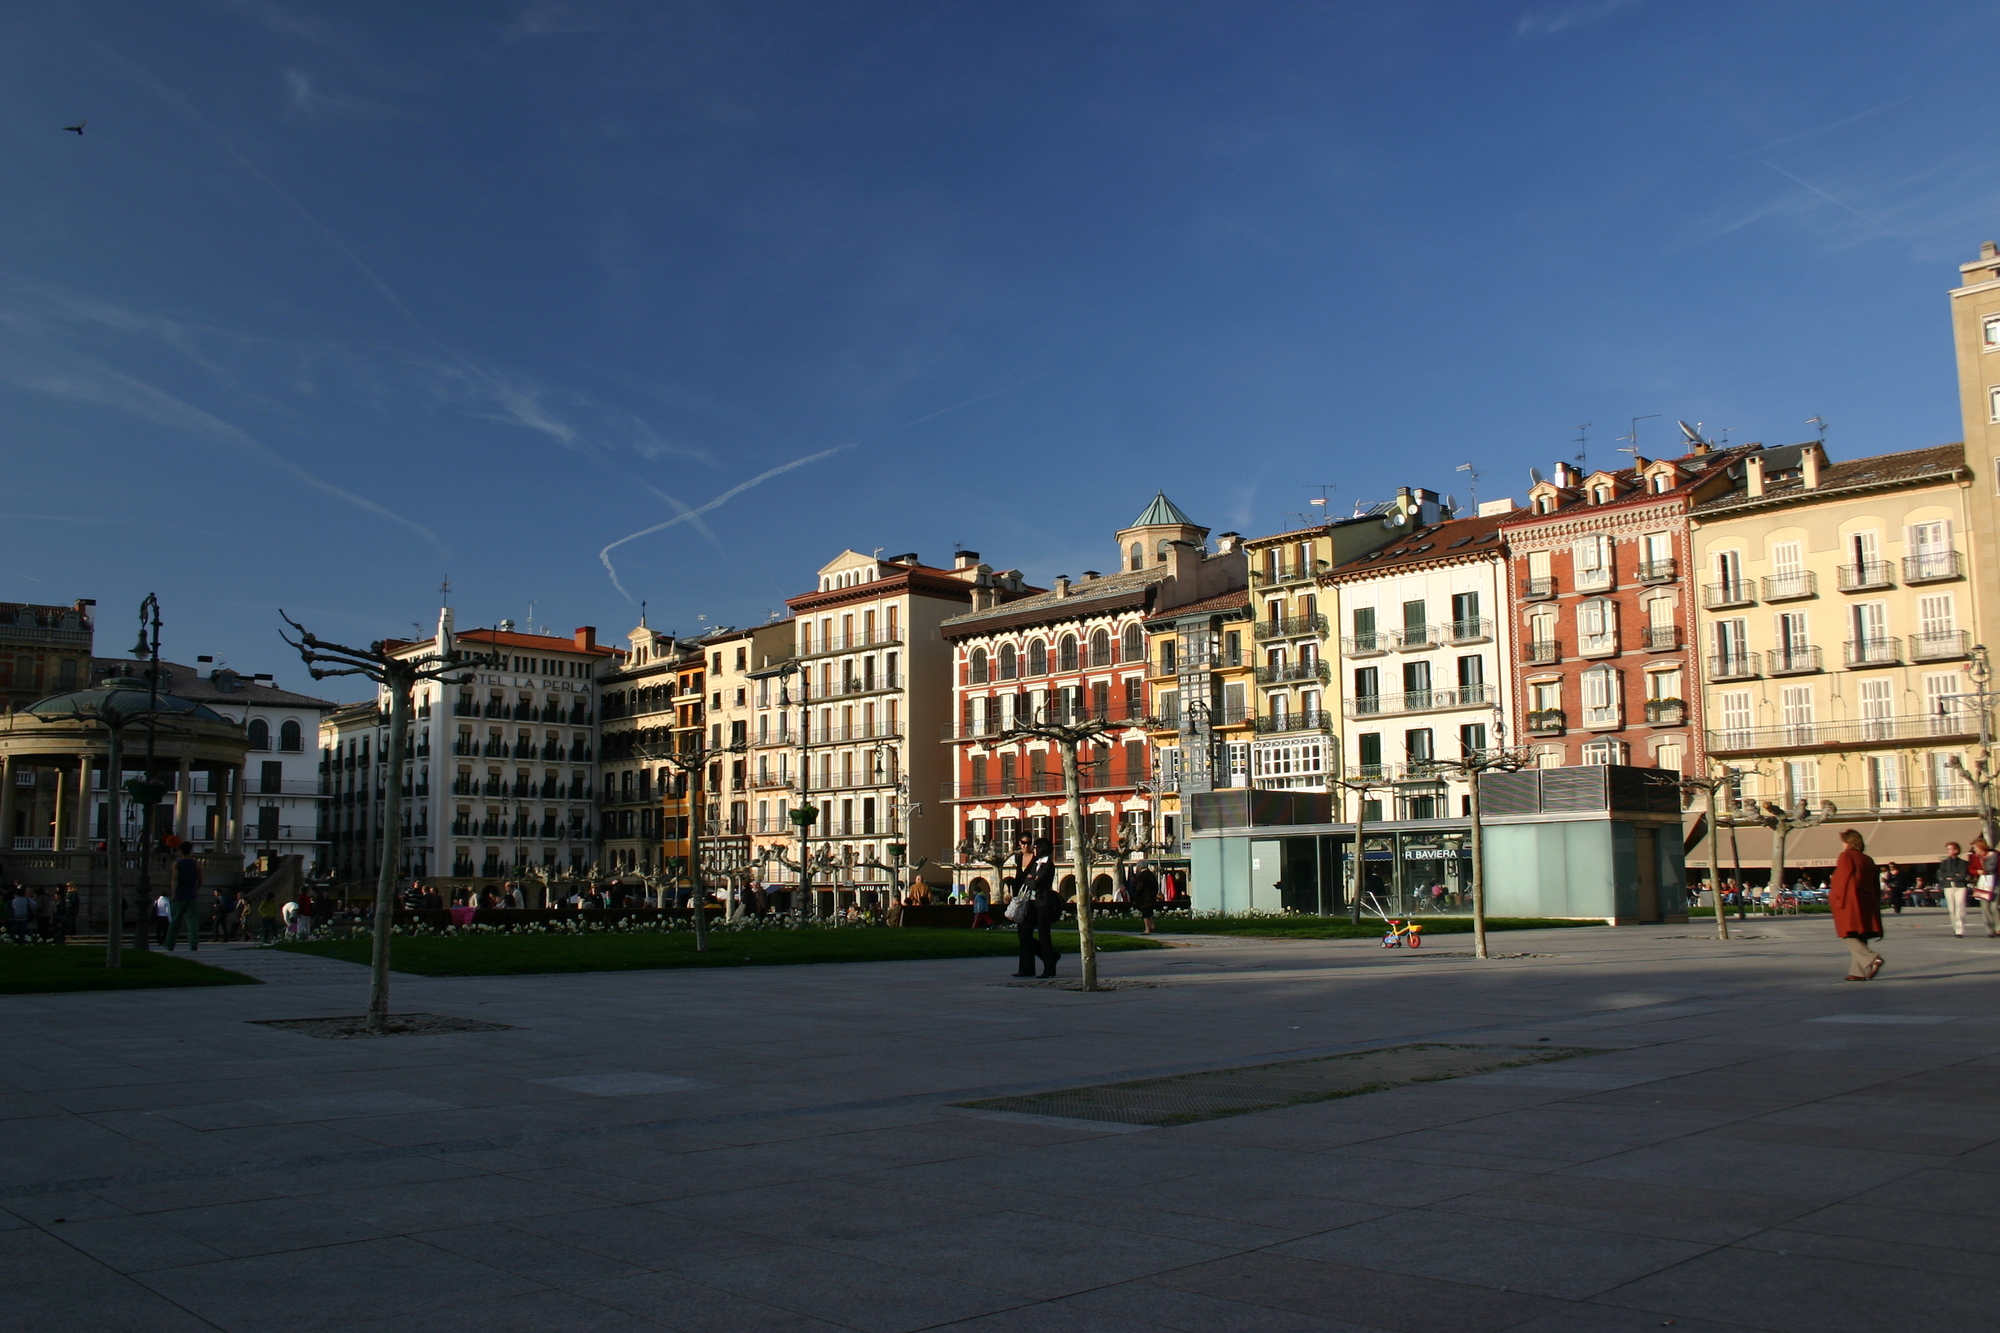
1981,772
691,763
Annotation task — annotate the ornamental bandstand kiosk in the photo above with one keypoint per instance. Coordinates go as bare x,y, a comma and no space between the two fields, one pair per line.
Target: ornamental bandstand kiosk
56,791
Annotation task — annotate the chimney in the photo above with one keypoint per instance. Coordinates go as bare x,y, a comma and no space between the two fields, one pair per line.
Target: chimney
1812,457
965,560
1090,574
1062,585
1227,542
1989,249
1753,475
586,637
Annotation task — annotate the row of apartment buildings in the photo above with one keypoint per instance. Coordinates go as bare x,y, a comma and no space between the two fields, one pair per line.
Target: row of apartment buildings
1812,623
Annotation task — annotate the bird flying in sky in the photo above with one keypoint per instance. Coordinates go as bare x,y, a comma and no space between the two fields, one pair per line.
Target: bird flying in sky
78,127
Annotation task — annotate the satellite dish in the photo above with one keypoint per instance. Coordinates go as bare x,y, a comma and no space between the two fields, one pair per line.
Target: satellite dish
1535,474
1451,504
1693,435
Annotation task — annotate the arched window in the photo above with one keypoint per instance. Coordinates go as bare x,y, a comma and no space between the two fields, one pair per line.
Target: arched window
289,737
1066,654
978,666
1135,643
1038,658
1164,544
260,734
1100,648
1138,554
1010,662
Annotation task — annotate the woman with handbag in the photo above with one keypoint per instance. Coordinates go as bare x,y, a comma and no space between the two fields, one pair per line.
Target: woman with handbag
1034,907
1856,900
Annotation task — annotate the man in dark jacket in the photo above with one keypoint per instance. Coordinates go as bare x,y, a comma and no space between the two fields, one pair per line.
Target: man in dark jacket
186,908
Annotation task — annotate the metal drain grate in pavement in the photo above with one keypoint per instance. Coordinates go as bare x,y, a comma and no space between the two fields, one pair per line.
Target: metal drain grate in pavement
1183,1099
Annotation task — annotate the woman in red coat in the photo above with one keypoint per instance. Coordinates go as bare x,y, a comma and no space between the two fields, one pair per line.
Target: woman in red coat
1856,900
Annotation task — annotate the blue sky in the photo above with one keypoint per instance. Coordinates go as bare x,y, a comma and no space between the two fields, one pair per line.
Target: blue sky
332,302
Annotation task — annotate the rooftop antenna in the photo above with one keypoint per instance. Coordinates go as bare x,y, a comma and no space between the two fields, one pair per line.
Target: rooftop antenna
444,592
642,612
531,615
1324,500
1582,442
1472,487
1818,423
1633,438
1305,520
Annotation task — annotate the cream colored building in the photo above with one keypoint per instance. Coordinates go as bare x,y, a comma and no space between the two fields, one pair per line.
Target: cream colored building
1975,324
1835,625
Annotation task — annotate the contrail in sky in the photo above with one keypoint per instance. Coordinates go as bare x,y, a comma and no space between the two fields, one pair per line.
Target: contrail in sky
1822,194
695,513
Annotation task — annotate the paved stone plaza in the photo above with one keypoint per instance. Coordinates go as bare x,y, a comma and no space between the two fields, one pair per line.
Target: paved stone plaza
1762,1146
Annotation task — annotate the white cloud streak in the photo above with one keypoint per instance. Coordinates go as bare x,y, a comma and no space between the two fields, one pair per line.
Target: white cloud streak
692,515
1822,194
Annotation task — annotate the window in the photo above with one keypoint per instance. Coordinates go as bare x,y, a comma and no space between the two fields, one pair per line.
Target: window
1166,656
978,666
1464,614
1989,332
1993,403
1364,629
1596,627
260,734
1795,712
1735,709
1941,701
1367,689
1785,558
1100,648
1279,763
1472,739
290,739
1885,781
1369,749
1669,754
1545,695
1936,624
1600,697
1603,752
1877,709
1664,684
1592,556
1038,658
1066,654
1540,565
1137,556
1134,649
1009,662
1417,684
1418,745
1472,679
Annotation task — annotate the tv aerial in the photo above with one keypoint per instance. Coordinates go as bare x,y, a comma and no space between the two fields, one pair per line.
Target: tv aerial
1472,487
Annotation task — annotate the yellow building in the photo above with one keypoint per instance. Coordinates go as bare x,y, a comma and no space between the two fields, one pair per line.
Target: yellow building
1835,615
1975,325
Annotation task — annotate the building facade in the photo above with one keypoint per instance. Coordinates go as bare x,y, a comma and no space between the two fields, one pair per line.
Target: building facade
1836,626
1975,322
44,649
1078,650
500,773
1601,594
1424,660
639,705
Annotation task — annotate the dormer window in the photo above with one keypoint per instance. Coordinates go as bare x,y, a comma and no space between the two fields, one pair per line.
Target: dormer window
1602,495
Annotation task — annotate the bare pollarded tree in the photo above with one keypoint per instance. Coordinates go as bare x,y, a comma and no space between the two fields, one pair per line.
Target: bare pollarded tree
397,677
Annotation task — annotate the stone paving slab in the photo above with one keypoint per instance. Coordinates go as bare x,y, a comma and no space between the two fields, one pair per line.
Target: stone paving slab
1760,1147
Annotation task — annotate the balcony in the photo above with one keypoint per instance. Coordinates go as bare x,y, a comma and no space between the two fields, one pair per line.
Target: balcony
1797,661
1316,719
888,680
1885,651
1368,645
1544,652
1416,638
1872,731
847,643
1658,571
1735,592
1478,630
1420,701
1291,627
1931,567
1604,644
1666,712
1867,576
1733,666
1791,587
1272,576
1292,671
1537,590
1662,638
1545,722
1939,645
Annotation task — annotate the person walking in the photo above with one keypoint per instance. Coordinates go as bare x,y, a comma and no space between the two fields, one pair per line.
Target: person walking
1034,908
1145,890
1856,900
1954,881
1980,871
186,907
982,910
20,914
163,915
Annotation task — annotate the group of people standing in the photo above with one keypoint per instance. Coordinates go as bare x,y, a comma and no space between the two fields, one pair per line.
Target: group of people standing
1856,894
48,915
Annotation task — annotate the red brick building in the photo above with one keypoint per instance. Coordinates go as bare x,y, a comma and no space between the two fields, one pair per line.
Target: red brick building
1601,601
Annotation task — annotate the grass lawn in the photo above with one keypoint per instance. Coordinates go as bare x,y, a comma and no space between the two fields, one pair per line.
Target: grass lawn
34,968
480,955
1324,927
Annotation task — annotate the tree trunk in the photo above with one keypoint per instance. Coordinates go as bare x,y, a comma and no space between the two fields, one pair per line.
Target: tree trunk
694,860
1478,872
1714,870
1360,875
399,686
114,855
1779,832
1086,938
